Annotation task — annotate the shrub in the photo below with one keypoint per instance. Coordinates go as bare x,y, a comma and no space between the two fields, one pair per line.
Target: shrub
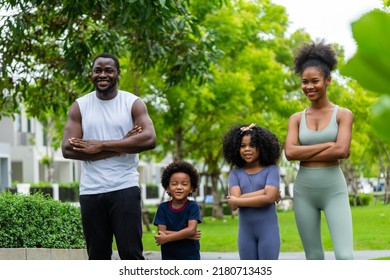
208,210
44,187
361,200
38,221
69,191
151,190
40,185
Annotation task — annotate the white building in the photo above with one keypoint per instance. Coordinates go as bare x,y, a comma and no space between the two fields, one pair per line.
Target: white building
5,165
23,145
26,140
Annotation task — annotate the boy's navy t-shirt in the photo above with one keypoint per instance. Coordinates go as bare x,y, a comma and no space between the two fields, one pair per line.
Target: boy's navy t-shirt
176,220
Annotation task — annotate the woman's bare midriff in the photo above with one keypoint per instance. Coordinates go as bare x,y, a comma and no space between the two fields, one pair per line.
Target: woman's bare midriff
319,163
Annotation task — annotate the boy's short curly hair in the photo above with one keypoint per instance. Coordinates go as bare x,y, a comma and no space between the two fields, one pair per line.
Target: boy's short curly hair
180,166
318,55
267,143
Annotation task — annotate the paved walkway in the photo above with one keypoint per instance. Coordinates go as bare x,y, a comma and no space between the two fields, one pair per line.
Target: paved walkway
359,255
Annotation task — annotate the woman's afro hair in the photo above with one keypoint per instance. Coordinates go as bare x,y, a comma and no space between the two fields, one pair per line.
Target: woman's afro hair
318,55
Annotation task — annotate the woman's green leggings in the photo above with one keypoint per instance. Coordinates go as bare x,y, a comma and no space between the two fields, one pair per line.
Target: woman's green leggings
323,188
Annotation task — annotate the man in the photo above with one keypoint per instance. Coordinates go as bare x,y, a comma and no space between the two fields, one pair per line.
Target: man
106,129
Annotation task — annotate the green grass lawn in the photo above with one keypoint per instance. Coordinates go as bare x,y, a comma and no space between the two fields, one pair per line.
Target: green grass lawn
371,225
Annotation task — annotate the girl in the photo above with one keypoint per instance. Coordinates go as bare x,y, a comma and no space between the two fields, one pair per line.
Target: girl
254,187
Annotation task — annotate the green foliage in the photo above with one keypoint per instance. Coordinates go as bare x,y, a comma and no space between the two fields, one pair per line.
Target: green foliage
249,79
72,185
241,49
37,221
370,66
69,191
360,200
371,63
48,46
46,161
152,191
208,210
381,115
151,185
41,185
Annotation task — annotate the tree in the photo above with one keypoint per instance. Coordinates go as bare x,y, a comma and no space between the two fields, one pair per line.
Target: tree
370,66
247,85
200,66
46,46
46,50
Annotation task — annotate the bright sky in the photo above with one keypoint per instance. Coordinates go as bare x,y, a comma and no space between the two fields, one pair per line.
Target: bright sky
328,19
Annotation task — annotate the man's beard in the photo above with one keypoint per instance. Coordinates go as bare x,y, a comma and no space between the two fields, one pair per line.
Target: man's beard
107,90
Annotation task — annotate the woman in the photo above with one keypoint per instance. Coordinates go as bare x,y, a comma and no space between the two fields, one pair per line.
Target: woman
319,137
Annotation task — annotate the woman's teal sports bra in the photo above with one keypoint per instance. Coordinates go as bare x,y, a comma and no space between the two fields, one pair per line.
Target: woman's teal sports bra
307,136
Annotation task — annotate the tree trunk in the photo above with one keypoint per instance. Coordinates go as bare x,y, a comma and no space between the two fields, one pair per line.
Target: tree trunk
386,166
352,181
217,202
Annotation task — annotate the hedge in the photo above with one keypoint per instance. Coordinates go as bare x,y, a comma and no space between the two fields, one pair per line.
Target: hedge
361,199
68,191
38,221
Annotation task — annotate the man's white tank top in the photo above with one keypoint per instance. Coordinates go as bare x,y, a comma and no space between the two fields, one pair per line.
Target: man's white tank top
107,120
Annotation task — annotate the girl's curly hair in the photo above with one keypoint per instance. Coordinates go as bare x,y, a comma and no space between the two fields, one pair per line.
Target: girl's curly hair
180,166
318,55
267,143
